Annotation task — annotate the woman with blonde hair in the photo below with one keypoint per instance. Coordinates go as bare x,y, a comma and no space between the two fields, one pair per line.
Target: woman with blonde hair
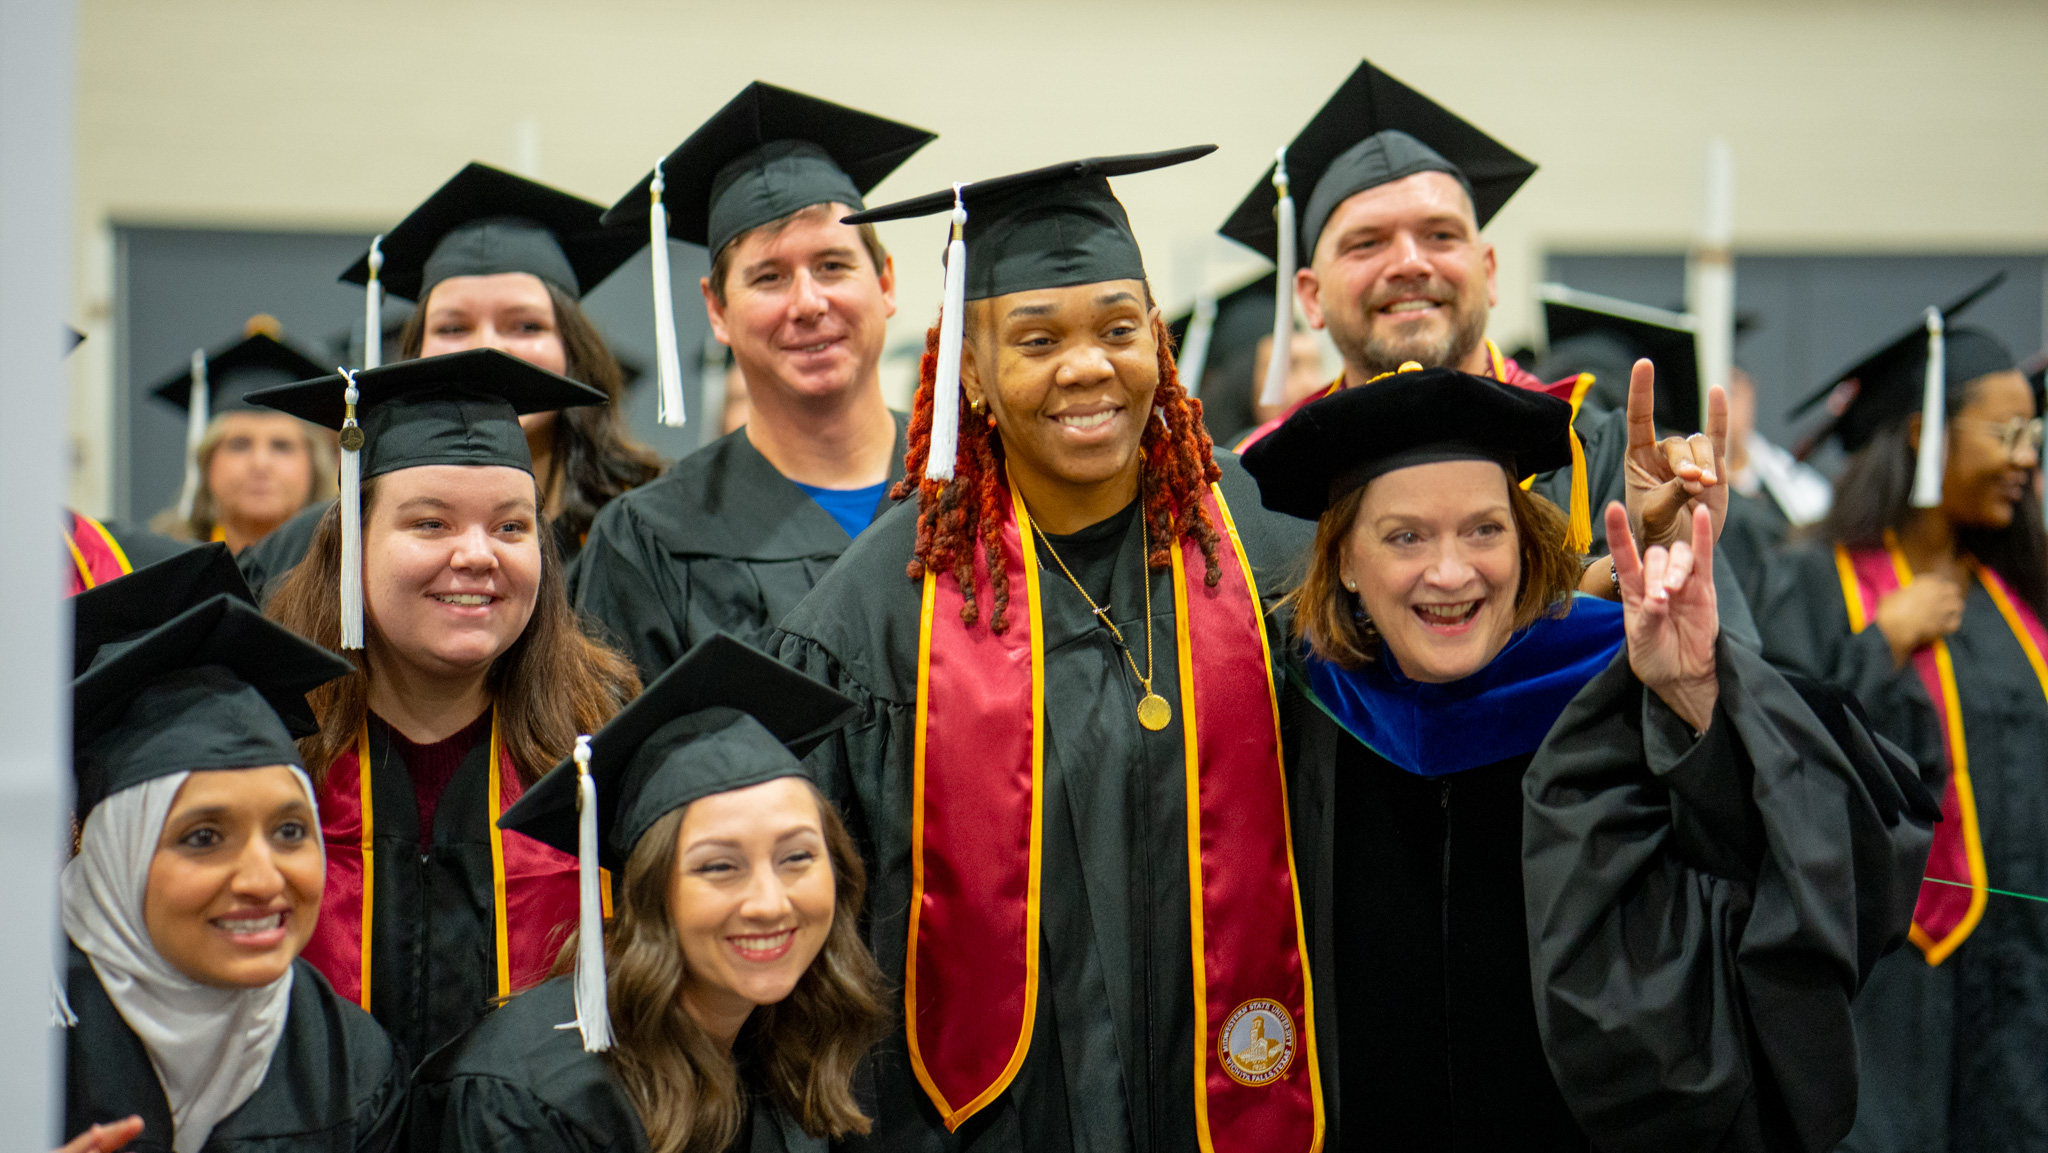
730,999
251,469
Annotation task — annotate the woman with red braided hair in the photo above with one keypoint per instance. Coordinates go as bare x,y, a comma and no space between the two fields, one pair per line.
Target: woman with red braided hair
1066,773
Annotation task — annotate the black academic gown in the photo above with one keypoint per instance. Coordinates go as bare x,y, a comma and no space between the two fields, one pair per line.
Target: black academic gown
1955,1057
1755,530
721,542
1460,924
334,1085
143,547
264,563
1111,1060
1606,442
518,1083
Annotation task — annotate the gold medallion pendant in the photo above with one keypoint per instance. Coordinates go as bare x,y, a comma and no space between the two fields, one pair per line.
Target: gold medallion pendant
1154,712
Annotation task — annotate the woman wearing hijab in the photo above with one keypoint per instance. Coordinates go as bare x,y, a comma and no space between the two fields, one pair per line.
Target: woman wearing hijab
471,676
197,883
1576,874
727,1003
1923,594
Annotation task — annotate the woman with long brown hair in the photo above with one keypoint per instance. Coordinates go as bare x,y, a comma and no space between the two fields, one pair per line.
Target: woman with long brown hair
1923,593
471,674
495,260
728,1002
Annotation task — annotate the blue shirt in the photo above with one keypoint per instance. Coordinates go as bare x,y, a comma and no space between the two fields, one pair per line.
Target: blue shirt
853,508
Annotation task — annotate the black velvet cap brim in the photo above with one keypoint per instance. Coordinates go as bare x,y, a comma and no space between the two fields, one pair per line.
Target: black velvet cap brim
485,221
1051,227
724,717
1368,103
769,152
243,367
1343,440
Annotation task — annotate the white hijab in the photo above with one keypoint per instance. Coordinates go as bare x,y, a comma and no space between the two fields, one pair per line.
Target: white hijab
211,1047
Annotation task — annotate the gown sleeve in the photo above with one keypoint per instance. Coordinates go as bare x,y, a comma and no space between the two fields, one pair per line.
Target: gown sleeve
1702,911
477,1114
630,586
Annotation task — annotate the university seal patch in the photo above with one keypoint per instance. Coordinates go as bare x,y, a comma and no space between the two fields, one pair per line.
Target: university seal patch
1256,1045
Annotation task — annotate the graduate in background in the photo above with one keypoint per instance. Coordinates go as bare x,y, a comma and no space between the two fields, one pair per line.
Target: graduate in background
729,1002
1394,190
252,469
1924,595
1064,696
471,676
198,881
1449,864
733,536
1771,492
495,260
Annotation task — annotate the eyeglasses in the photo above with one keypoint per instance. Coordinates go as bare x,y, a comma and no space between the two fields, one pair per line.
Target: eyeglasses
2012,434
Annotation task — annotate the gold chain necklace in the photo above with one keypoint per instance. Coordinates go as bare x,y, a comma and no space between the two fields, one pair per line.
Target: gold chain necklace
1153,711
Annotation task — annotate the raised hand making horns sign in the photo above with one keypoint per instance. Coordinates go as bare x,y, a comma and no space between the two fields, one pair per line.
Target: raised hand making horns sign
1668,478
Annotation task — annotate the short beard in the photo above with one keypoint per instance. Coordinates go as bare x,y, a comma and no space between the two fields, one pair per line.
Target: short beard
1376,355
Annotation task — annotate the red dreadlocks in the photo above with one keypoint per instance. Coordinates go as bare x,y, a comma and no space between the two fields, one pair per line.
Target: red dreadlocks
951,516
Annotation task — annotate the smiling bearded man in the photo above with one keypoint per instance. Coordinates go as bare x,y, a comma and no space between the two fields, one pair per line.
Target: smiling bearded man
1397,272
735,534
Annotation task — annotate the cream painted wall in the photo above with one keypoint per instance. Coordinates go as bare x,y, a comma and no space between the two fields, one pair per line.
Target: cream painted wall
1854,126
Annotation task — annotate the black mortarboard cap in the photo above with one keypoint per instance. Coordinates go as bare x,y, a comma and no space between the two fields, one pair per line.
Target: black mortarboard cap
203,691
723,717
1244,315
1890,382
1418,416
486,221
150,596
459,408
1050,227
1372,131
1606,336
769,152
255,361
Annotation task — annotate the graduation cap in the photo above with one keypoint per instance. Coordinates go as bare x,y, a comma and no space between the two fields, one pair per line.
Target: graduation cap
1415,416
462,408
724,717
1919,369
1372,131
217,382
486,221
1605,336
769,152
1051,227
150,596
1236,320
205,690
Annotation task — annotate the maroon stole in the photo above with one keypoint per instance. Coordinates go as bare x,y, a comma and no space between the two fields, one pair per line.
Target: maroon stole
1945,914
971,973
96,557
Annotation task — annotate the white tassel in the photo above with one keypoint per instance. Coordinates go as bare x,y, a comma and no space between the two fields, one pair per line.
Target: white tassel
1194,348
373,307
198,411
61,1016
945,440
593,1008
351,519
1933,419
668,368
1282,356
